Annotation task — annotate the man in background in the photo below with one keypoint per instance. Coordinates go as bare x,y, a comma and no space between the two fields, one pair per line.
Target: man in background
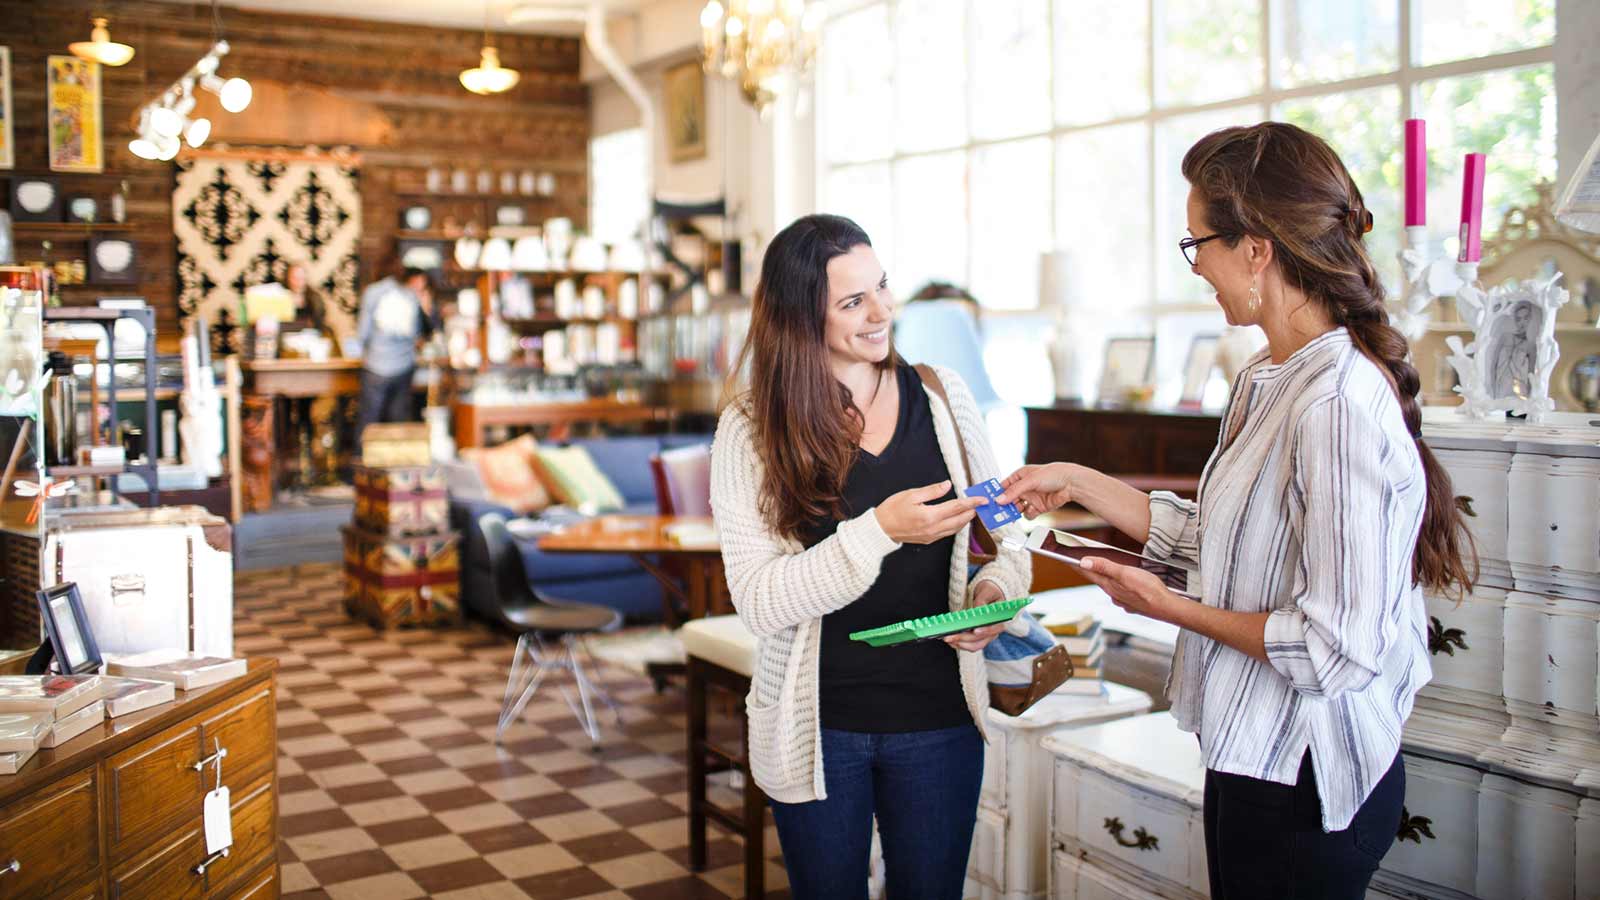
396,313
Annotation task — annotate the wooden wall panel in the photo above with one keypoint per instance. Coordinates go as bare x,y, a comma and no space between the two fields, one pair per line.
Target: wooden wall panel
388,90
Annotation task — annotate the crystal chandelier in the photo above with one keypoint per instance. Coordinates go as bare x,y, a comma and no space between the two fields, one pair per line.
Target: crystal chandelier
759,43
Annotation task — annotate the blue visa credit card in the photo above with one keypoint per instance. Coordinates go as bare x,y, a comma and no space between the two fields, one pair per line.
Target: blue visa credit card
993,514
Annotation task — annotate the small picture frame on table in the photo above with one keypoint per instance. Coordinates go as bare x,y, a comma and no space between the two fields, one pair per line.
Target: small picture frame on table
67,629
82,208
1197,369
1127,368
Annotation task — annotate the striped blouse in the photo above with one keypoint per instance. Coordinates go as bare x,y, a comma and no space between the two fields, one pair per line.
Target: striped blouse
1311,513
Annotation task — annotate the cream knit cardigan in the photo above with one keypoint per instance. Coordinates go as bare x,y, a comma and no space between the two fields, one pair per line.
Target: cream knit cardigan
782,590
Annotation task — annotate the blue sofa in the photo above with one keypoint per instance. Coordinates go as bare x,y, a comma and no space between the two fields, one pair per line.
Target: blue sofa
607,579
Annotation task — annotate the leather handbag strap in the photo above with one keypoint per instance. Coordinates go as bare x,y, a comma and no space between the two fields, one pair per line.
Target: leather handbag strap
1050,669
980,534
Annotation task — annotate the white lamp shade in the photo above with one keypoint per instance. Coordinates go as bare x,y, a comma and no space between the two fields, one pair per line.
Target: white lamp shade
101,48
144,148
198,131
166,122
496,255
489,77
528,255
236,94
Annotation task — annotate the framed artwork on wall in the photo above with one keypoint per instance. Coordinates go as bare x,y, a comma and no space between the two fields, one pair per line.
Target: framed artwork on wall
72,117
684,86
7,142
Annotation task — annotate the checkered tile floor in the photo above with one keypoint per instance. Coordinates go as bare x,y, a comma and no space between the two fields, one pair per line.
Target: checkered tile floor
391,785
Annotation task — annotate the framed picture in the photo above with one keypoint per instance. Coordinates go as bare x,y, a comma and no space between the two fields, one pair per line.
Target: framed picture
1197,368
429,255
72,117
35,198
80,208
7,142
113,260
1514,351
1127,366
67,628
684,86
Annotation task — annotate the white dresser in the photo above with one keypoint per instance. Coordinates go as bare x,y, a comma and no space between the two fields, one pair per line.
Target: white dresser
1010,847
1502,751
1125,817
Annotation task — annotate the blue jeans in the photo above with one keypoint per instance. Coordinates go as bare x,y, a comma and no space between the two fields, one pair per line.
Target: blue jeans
923,786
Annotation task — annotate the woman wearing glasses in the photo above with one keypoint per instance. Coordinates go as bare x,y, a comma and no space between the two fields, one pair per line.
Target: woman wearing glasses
1321,517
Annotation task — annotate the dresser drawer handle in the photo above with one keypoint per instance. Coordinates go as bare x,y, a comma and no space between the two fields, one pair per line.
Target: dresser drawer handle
220,854
1142,840
1414,828
13,866
1444,640
221,754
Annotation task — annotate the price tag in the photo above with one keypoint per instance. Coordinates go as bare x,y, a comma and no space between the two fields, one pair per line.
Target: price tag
219,821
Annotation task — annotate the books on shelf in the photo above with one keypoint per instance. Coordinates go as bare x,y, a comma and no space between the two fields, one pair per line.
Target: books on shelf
1085,644
22,731
69,727
1068,624
57,695
186,671
11,763
126,695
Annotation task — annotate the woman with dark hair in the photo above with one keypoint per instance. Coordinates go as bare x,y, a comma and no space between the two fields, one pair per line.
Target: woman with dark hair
1321,517
835,480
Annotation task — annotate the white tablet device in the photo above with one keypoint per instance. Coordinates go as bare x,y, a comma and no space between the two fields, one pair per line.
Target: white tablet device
1073,549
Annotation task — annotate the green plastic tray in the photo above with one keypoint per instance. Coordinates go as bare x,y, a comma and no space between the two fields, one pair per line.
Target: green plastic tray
938,626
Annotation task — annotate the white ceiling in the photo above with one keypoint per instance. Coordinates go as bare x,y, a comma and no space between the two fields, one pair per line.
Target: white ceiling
466,14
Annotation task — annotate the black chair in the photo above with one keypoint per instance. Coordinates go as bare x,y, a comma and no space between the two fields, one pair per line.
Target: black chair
519,608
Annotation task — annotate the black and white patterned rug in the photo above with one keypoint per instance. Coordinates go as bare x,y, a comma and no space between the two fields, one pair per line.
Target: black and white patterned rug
242,222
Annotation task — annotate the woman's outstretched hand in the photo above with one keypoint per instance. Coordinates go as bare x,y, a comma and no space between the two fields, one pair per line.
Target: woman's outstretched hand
907,517
978,638
1038,489
1134,589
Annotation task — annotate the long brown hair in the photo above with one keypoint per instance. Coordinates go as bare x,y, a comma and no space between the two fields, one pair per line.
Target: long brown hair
1283,184
807,428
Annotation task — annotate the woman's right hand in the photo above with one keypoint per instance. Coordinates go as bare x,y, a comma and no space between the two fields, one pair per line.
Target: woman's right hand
1038,489
907,517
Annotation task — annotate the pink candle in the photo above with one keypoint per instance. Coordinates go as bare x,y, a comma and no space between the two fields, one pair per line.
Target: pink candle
1416,172
1472,209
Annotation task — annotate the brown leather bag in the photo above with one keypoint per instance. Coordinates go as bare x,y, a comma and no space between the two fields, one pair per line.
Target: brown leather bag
1050,669
982,550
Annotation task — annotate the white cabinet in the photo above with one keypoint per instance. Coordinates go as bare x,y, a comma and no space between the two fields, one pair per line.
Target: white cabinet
1126,810
1010,850
1467,646
1439,843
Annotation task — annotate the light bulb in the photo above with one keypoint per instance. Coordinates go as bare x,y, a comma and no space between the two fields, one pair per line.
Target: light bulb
711,15
775,31
165,122
198,131
735,27
236,95
167,148
144,148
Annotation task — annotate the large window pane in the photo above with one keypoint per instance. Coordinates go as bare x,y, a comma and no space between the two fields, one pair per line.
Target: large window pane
1011,68
863,193
1448,30
930,78
1207,50
930,221
1364,129
1509,115
1010,222
619,199
1102,60
1174,136
1103,215
855,98
1317,41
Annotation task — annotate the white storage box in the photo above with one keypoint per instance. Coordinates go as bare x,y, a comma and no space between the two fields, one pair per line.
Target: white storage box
151,579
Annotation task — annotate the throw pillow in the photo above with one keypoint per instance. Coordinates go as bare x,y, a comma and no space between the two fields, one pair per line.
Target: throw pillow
576,480
509,478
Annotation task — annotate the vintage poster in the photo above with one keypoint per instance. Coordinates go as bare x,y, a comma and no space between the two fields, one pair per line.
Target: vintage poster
7,143
73,102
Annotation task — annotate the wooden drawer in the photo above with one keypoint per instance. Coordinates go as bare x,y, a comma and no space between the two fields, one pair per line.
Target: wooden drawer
55,839
1480,477
1552,657
170,871
1553,506
1467,646
1526,836
1072,878
248,729
153,789
1140,830
1440,846
263,885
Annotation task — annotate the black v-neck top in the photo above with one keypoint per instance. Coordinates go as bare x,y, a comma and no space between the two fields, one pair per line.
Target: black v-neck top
909,687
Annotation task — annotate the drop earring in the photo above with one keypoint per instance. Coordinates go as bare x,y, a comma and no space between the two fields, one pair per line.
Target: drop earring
1255,300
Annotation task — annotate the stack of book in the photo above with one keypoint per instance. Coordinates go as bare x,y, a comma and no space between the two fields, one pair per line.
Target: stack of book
184,671
1081,634
45,711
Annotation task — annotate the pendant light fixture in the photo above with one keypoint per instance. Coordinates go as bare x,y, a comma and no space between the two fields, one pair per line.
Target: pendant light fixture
488,77
100,48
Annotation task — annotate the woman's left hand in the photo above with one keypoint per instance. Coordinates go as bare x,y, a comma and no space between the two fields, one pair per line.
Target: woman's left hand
1134,589
979,638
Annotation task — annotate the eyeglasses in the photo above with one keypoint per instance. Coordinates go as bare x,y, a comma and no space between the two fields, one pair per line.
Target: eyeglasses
1188,244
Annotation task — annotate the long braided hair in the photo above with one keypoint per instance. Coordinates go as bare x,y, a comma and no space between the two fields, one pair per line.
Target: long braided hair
1279,182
